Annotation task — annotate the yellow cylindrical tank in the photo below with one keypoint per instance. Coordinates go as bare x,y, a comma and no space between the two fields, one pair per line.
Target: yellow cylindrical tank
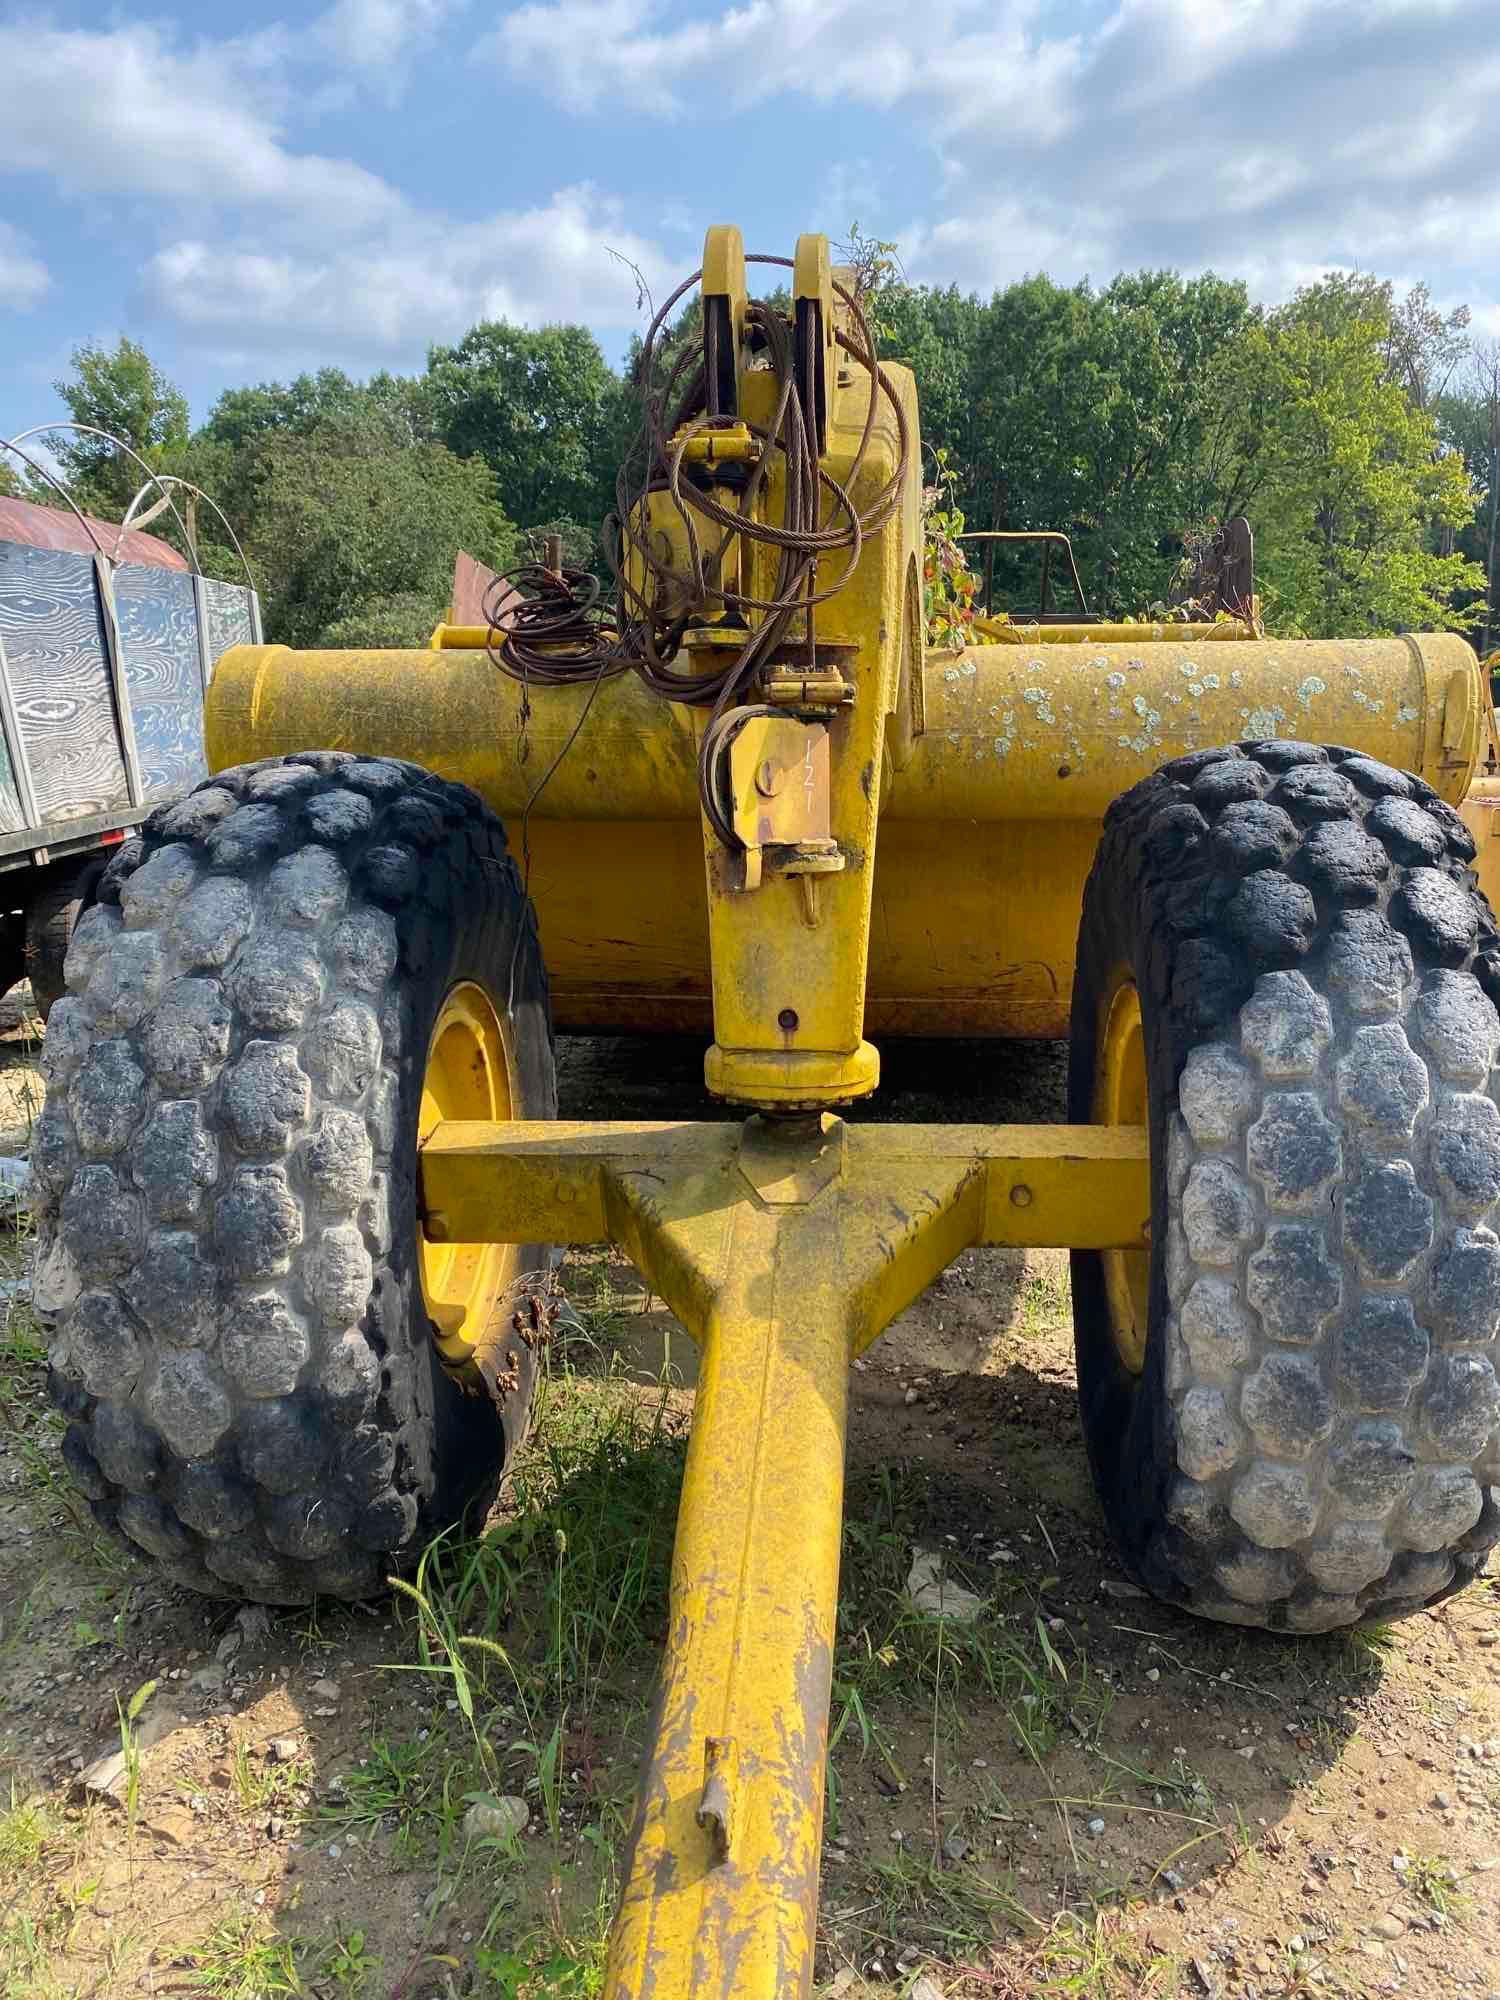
987,829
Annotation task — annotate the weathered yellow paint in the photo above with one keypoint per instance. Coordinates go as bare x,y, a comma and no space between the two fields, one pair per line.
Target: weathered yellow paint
787,1245
618,869
1481,812
1104,632
467,1076
1085,1186
784,1247
1120,1101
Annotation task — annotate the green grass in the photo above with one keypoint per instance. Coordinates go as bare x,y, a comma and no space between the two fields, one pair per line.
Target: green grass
1044,1303
241,1959
259,1782
888,1653
27,1828
553,1603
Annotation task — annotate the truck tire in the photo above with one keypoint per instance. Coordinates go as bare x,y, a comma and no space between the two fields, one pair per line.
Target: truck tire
50,917
1290,1404
292,970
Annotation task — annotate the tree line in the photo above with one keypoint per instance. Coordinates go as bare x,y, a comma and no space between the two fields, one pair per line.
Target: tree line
1357,430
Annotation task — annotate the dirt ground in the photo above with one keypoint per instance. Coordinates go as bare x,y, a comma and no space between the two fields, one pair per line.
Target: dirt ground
1078,1793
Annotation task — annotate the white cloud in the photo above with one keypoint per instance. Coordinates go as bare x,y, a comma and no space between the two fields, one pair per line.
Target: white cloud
23,277
1270,137
376,37
423,279
125,111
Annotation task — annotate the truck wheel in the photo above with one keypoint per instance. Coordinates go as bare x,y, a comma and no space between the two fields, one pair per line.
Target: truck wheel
277,1387
1289,1400
50,918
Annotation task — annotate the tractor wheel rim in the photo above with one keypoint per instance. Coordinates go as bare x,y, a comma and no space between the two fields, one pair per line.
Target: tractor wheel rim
468,1075
1120,1099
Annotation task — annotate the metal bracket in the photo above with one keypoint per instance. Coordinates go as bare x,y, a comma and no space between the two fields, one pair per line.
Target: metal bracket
115,661
817,351
789,1161
725,303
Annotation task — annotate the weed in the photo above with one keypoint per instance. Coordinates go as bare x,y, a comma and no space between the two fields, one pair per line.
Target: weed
130,1750
414,1790
1045,1302
560,1973
888,1650
240,1959
348,1964
952,1911
1434,1881
576,1578
1094,1958
26,1829
261,1783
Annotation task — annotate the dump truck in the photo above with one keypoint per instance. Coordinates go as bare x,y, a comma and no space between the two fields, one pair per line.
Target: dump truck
300,1181
108,638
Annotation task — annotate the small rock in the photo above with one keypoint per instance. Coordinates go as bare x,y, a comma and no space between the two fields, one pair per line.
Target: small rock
1487,1638
1389,1927
334,1850
1153,1674
1484,1864
931,1591
1296,1945
845,1977
925,1989
1096,1827
173,1825
1172,1878
275,1828
324,1690
209,1679
1117,1586
254,1621
911,1396
1442,1801
496,1818
955,1847
106,1777
283,1749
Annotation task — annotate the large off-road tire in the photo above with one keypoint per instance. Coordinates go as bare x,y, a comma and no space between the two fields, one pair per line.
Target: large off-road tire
50,917
1289,1401
229,1251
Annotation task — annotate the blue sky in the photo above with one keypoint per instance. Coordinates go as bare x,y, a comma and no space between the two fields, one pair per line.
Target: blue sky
253,190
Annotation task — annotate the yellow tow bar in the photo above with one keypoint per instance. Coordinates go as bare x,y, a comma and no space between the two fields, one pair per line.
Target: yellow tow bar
785,1247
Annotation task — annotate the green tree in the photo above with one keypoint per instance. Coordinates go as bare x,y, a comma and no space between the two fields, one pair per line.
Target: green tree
354,535
541,407
1355,475
122,391
1469,422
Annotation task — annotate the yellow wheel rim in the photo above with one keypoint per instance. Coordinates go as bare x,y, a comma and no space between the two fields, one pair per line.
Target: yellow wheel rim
1120,1099
467,1076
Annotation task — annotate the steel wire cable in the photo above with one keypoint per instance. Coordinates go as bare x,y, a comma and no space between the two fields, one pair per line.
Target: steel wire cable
553,627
